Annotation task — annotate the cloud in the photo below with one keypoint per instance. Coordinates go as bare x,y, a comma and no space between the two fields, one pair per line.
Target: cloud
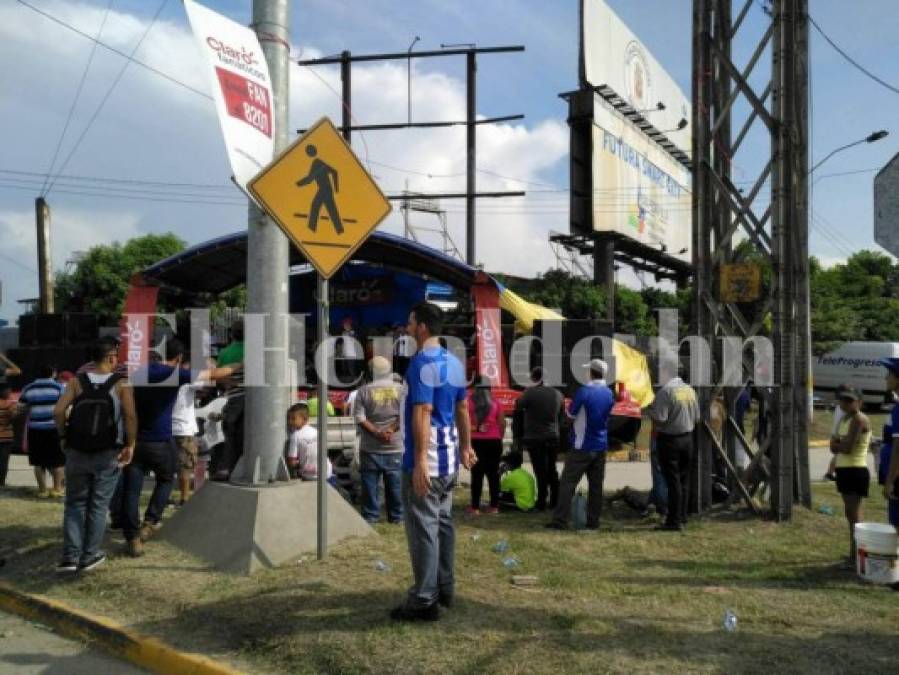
153,129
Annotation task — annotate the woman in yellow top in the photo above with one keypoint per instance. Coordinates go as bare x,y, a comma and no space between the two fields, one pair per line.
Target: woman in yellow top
851,453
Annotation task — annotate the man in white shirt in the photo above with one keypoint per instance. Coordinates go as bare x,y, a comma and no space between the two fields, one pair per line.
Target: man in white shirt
184,431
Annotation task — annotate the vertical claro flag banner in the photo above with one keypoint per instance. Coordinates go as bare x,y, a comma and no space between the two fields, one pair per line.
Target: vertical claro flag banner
136,330
491,359
241,87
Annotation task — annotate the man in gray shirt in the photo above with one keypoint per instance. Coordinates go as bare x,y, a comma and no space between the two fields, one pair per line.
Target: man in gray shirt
377,412
536,424
675,413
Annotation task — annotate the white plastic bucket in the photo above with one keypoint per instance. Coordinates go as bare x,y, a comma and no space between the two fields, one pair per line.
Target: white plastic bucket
877,559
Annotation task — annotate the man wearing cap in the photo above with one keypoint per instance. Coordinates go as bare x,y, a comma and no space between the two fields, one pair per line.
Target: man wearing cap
675,412
891,486
377,412
590,411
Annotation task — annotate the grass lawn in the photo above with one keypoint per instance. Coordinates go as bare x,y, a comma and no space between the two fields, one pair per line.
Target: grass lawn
627,599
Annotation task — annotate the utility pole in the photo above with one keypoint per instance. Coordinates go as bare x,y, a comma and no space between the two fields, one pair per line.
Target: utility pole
470,159
267,271
44,265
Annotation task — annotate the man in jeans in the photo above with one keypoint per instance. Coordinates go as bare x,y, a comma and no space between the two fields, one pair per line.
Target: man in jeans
539,410
91,477
155,393
590,410
675,412
437,435
377,412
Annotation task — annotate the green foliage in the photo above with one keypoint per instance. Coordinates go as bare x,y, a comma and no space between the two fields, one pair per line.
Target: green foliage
855,300
99,282
576,298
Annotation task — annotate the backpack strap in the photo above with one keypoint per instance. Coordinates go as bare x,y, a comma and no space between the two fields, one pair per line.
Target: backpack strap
113,379
85,382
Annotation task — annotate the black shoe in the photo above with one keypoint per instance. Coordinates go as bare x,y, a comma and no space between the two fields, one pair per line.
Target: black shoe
67,567
404,613
92,563
670,527
446,600
555,525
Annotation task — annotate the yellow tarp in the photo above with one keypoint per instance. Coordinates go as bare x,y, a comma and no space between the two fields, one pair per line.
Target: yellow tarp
631,367
525,312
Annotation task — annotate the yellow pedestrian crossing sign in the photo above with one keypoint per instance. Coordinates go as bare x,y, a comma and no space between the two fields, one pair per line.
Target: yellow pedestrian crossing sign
322,197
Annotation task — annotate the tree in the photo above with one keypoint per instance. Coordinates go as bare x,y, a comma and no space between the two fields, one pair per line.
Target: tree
99,282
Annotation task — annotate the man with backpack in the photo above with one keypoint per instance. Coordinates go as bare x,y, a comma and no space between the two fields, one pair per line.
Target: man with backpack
98,440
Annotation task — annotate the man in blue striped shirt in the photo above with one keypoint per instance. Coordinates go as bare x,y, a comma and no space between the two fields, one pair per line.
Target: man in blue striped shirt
590,411
437,437
44,454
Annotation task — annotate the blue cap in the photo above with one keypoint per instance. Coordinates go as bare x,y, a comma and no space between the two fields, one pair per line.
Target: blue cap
891,364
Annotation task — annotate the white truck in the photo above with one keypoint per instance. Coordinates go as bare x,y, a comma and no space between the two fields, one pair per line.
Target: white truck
854,363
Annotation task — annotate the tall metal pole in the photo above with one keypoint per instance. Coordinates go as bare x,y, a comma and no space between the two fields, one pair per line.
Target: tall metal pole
324,332
44,266
470,158
604,271
268,255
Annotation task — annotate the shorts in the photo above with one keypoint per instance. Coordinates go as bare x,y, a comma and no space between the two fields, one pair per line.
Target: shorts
187,452
853,480
44,450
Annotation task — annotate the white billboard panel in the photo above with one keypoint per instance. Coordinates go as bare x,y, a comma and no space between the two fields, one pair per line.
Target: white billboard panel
241,86
614,57
886,207
640,191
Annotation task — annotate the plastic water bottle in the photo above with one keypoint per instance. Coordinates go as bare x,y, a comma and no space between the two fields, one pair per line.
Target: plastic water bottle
511,563
826,509
476,536
730,621
382,566
579,511
501,546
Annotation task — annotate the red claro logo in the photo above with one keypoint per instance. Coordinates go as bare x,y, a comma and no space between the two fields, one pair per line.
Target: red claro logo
217,45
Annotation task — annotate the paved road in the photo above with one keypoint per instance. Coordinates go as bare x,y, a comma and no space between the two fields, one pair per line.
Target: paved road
30,649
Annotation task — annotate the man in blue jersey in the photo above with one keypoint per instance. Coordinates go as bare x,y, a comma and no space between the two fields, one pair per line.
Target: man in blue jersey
891,482
44,454
437,437
590,411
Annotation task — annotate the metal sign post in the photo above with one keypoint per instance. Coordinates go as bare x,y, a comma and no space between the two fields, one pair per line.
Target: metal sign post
322,525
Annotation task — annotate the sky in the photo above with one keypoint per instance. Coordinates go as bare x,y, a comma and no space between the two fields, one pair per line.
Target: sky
167,137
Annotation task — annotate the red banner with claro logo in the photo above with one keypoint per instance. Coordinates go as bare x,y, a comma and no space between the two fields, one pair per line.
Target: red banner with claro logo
491,360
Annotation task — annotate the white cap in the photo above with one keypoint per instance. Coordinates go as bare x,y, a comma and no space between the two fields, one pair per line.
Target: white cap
380,367
597,366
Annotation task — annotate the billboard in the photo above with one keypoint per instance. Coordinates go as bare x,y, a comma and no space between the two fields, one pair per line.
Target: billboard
639,190
612,56
886,207
241,86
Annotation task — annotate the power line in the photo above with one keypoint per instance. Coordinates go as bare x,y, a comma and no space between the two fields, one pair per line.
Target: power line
146,66
128,181
87,68
109,91
147,198
116,189
855,63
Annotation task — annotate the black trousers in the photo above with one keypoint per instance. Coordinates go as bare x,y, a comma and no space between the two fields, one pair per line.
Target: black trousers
232,425
675,453
544,454
488,451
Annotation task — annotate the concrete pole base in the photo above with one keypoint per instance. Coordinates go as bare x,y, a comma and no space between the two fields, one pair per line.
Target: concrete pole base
243,529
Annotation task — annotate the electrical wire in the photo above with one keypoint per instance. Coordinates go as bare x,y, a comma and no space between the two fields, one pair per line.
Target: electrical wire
87,68
146,66
129,181
109,91
855,63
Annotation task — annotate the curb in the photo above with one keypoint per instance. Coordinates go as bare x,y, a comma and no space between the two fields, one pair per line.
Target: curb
146,652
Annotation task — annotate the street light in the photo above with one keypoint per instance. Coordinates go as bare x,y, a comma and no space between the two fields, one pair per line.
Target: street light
658,107
409,78
870,138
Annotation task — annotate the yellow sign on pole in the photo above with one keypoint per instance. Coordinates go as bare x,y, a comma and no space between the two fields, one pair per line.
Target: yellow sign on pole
322,197
740,282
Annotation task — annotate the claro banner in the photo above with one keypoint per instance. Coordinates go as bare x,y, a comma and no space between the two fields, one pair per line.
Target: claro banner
613,56
641,191
241,87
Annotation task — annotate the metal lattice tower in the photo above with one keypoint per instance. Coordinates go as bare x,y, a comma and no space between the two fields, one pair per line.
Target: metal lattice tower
733,115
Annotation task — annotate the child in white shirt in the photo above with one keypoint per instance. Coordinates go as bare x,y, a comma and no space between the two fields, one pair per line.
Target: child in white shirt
302,444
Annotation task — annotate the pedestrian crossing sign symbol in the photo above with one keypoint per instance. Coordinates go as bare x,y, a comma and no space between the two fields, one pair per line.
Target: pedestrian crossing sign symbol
322,197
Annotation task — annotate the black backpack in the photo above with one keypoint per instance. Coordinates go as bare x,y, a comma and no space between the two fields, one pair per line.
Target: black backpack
92,425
